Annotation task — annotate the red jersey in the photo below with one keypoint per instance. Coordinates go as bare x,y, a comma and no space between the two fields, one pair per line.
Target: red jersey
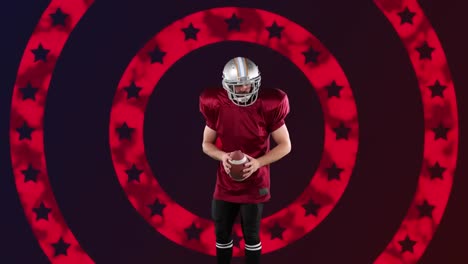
245,128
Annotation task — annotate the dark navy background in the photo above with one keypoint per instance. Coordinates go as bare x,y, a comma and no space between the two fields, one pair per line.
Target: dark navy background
81,94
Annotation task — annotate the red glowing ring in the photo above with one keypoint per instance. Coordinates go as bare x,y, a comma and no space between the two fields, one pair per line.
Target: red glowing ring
167,47
407,245
440,147
27,129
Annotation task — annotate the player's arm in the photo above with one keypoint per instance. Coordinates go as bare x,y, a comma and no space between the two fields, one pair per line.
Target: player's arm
283,147
208,145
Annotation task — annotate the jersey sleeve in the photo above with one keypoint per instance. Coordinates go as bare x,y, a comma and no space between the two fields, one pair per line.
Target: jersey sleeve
209,106
277,109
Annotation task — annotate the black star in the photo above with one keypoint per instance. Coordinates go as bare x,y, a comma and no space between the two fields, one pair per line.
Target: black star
334,172
437,89
193,232
30,174
440,132
40,53
133,173
157,55
236,240
406,16
25,131
311,208
341,131
436,171
334,90
425,209
132,91
58,18
156,208
125,132
61,247
425,51
277,231
275,30
233,23
29,92
311,55
42,212
407,244
190,32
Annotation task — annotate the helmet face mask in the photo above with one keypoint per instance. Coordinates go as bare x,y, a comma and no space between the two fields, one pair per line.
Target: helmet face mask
238,74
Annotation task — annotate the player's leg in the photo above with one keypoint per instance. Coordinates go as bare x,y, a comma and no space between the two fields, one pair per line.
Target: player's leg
251,216
224,214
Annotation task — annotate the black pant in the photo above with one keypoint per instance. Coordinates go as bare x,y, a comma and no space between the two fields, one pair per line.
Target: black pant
224,215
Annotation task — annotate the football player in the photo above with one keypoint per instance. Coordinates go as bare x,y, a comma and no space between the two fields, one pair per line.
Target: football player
242,117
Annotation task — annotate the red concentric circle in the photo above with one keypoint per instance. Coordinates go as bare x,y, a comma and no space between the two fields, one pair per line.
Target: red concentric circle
27,129
435,83
247,25
440,136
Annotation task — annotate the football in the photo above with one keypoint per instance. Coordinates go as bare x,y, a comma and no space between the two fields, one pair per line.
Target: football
238,160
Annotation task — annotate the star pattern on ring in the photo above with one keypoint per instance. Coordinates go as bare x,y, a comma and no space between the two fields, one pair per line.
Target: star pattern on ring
333,172
436,171
61,247
425,51
133,173
407,244
156,208
59,17
29,92
333,90
425,209
30,174
133,91
42,212
311,55
193,232
234,23
40,53
311,208
157,55
274,30
25,131
406,16
190,32
277,231
342,131
437,89
124,131
440,132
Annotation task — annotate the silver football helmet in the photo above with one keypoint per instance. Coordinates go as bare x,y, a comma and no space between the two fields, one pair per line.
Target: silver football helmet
241,71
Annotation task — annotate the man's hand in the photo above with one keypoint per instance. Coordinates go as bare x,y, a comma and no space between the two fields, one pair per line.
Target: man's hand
225,158
252,166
